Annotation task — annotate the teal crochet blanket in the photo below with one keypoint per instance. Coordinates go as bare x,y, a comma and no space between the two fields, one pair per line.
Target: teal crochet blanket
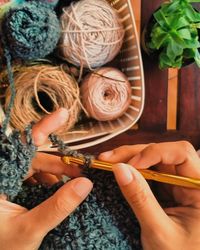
103,221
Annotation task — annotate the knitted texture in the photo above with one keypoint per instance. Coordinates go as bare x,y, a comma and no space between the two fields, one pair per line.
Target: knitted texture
50,3
12,87
31,30
14,161
103,221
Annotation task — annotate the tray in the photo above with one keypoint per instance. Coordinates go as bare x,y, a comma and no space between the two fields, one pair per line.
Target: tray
128,61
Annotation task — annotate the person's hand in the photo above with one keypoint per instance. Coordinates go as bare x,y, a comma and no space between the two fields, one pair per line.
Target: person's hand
175,225
24,230
46,167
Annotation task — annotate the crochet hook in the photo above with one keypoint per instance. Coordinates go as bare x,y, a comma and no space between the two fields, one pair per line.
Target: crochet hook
147,174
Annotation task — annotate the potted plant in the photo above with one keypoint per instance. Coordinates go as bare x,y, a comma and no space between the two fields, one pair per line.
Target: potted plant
173,34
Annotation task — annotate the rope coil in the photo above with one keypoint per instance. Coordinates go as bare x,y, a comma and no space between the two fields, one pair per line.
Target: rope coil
40,90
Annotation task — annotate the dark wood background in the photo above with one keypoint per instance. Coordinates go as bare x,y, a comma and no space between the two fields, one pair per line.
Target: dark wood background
152,126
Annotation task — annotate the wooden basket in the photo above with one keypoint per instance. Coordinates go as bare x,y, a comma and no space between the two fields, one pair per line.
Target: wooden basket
129,61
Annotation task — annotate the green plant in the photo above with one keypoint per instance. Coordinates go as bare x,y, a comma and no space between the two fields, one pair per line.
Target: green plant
174,33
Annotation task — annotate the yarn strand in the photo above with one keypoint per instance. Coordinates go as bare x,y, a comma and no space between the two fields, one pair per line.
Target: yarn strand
12,86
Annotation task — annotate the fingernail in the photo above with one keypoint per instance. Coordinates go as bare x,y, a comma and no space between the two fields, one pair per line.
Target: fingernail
123,174
63,115
82,187
107,154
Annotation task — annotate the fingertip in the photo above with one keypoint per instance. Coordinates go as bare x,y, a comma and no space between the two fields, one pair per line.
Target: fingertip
123,174
49,124
82,186
106,155
62,115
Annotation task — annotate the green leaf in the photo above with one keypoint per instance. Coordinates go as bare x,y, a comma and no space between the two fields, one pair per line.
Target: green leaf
191,14
169,8
173,21
184,33
193,44
197,58
194,1
196,25
160,18
158,38
166,62
178,39
175,33
174,50
181,22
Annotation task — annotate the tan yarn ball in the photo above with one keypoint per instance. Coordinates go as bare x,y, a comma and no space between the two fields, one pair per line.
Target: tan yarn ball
41,90
106,94
92,33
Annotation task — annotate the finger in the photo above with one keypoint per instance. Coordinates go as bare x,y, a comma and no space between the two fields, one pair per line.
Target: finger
122,154
3,197
51,212
48,125
139,196
181,154
45,178
53,164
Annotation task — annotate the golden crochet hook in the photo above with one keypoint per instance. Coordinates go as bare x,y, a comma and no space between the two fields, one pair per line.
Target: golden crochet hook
147,174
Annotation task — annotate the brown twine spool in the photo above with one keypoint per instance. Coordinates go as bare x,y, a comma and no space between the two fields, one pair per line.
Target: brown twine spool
106,94
41,90
92,33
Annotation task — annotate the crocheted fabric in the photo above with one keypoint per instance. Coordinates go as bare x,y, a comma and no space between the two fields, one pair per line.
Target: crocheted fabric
103,221
15,159
50,3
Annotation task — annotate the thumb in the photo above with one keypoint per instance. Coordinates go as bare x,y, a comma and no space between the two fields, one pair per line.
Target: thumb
54,210
140,197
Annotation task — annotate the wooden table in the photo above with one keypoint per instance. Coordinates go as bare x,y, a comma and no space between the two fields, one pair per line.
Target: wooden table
153,124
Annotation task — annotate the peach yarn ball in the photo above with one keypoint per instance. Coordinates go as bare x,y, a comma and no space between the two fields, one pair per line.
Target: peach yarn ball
105,94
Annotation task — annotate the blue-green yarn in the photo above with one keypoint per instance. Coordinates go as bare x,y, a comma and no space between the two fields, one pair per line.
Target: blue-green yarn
12,87
15,160
50,3
104,221
31,30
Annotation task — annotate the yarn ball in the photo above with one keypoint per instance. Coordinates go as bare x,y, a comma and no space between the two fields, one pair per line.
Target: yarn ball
92,33
31,31
15,159
50,3
103,221
40,90
105,94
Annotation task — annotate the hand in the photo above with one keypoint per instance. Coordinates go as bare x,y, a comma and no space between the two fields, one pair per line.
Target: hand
24,230
46,167
175,226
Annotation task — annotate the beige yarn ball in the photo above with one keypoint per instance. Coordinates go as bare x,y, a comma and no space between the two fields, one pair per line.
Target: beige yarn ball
92,33
106,94
41,90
